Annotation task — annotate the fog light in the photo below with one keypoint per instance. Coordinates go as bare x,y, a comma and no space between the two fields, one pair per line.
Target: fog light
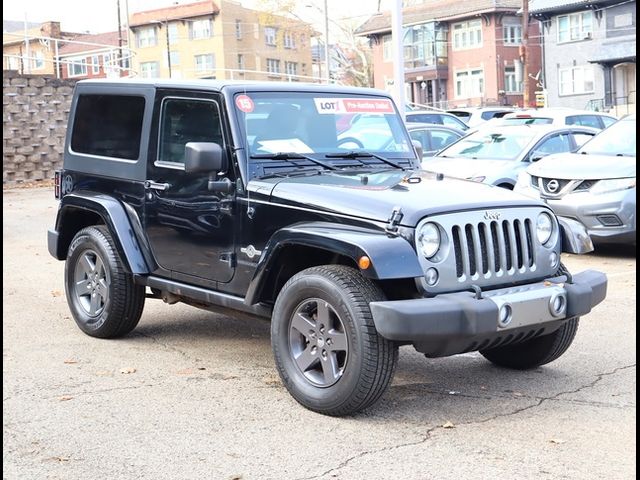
557,305
505,314
431,275
553,259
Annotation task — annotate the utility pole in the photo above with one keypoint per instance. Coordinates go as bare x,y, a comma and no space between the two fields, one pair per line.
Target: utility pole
524,52
166,27
398,55
119,40
327,72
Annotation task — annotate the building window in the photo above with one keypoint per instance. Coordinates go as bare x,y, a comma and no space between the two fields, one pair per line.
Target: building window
204,63
149,70
173,33
273,65
77,67
577,26
512,34
38,61
146,37
14,63
174,57
200,29
291,68
240,61
289,40
387,48
238,29
511,83
270,36
576,80
95,64
469,83
467,35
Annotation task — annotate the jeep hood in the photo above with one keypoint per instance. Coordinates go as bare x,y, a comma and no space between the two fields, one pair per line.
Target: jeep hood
575,166
469,168
374,195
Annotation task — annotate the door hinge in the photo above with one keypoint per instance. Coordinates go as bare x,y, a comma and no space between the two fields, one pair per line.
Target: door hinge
229,258
394,221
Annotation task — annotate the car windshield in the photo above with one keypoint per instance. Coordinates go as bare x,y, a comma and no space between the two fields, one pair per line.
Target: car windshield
315,123
495,145
618,139
526,121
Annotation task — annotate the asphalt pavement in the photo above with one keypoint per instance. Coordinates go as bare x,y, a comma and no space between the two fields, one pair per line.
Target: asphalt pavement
195,395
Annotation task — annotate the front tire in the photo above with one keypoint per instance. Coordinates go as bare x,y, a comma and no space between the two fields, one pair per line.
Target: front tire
102,296
327,351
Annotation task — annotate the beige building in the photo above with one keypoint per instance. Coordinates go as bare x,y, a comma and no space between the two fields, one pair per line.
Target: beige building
220,40
38,54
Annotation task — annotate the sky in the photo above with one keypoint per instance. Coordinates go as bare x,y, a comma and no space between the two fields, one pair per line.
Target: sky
98,16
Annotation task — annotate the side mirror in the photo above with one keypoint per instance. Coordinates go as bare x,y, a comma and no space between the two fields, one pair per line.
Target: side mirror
205,157
418,146
535,156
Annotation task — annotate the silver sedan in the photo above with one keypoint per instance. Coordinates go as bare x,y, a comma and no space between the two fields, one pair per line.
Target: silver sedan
595,186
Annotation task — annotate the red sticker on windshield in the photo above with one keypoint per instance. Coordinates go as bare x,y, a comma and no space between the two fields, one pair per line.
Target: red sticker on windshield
353,105
244,103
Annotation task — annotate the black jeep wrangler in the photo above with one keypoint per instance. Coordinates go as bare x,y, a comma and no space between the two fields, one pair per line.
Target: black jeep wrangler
305,204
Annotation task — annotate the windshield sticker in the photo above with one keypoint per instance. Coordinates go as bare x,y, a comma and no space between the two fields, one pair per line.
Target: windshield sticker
353,105
244,103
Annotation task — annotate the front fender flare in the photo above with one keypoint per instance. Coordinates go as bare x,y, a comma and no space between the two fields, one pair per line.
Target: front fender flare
575,238
391,257
131,249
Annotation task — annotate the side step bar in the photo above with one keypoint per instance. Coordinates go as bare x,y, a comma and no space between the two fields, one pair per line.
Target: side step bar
203,295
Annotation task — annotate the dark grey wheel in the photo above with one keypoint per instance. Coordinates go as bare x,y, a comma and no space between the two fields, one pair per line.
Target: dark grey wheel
102,297
318,342
326,348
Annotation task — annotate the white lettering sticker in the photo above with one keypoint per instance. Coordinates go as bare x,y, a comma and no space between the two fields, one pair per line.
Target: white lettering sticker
353,105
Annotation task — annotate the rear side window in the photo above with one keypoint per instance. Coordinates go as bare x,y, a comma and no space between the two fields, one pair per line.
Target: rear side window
108,126
584,120
424,118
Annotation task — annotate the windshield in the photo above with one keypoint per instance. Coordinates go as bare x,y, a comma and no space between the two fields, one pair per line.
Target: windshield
618,139
493,145
526,121
315,123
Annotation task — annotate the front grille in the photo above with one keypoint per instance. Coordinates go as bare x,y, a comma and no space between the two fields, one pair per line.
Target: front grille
493,248
553,186
585,185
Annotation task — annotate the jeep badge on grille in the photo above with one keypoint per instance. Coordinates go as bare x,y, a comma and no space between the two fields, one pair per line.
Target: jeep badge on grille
492,215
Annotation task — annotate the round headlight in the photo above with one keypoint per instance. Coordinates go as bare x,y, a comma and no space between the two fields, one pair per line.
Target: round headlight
429,239
544,227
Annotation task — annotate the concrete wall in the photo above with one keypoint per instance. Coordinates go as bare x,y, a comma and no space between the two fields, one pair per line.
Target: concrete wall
34,122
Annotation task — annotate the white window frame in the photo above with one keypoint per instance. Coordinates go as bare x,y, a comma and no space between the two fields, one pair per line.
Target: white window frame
577,29
273,66
37,63
270,34
576,80
238,29
201,29
151,72
472,83
205,62
512,35
387,51
95,64
240,60
291,68
174,35
77,62
467,35
175,58
147,37
289,40
511,84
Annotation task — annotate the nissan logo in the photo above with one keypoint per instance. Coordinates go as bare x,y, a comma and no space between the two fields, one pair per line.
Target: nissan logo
553,186
492,215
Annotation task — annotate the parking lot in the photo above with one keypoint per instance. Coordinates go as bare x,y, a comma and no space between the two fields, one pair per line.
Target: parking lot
192,394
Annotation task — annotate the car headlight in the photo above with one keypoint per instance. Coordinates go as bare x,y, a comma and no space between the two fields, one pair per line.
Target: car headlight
544,227
613,185
428,239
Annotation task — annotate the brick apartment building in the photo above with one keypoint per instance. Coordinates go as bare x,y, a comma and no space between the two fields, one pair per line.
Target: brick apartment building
95,56
457,52
220,40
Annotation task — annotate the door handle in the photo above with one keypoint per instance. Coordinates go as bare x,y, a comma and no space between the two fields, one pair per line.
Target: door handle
151,185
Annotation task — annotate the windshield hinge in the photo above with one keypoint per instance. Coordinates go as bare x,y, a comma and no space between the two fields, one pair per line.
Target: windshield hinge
394,221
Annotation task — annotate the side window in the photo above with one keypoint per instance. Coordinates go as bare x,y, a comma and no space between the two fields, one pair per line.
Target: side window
108,126
187,120
584,120
441,139
424,118
453,122
421,136
488,115
608,121
558,143
580,138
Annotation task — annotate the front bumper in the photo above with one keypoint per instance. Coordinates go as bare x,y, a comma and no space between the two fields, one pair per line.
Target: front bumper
456,322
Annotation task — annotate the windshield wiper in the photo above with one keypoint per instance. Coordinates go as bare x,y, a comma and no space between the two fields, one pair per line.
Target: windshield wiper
291,156
356,155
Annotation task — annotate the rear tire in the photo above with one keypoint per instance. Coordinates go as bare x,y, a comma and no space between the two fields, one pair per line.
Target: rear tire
327,351
102,296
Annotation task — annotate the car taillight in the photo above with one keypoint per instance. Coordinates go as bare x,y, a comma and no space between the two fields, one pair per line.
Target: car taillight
57,180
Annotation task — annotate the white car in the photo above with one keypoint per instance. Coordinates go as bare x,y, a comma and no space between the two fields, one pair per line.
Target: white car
557,116
474,116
